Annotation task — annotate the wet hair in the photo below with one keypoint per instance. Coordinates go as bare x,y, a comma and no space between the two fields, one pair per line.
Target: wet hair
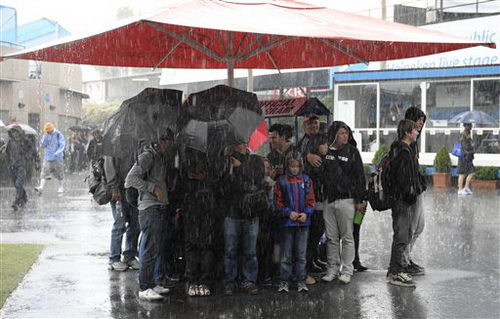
293,156
465,135
405,126
283,130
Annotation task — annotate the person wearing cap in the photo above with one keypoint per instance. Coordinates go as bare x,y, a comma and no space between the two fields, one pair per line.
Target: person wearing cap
309,147
53,142
20,153
149,176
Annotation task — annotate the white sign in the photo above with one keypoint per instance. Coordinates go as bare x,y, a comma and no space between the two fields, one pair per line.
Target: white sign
447,132
439,123
345,112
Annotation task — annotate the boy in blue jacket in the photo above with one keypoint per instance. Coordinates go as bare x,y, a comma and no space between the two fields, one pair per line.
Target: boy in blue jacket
294,197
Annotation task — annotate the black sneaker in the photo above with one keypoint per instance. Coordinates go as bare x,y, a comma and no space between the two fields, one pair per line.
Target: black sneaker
250,289
358,267
229,289
415,270
402,279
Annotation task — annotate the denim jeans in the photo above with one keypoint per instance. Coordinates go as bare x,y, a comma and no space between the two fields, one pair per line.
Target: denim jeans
153,223
18,174
125,222
247,230
294,244
402,237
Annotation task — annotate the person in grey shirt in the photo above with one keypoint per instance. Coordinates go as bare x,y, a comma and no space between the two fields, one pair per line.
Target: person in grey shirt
149,177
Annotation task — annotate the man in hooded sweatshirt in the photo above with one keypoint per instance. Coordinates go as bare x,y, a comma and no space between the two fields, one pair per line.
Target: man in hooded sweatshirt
20,152
405,177
417,219
344,193
54,143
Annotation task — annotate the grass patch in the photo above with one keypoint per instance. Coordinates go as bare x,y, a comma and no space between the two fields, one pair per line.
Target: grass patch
15,261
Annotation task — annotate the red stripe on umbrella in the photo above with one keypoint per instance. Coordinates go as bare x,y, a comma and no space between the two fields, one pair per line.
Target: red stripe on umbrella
259,136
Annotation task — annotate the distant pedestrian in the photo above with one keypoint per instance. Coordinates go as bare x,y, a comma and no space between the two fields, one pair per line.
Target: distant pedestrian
294,195
465,163
94,147
407,188
20,155
53,142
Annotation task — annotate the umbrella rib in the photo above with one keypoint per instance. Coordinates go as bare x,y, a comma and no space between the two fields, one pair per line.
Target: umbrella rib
342,49
193,43
219,38
167,55
246,49
273,61
266,47
243,38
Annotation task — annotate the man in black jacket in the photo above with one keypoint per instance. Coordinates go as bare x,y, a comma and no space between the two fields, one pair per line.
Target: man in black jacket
344,192
407,186
417,219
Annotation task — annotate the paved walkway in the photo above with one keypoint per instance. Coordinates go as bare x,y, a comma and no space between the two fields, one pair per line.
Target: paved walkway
460,249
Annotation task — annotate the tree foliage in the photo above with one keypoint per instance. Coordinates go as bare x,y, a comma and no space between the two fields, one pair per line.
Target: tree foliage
442,161
98,113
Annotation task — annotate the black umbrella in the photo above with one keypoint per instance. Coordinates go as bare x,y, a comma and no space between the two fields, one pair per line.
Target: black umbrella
141,119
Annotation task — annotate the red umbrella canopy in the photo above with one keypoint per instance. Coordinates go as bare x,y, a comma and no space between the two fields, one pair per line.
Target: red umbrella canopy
262,35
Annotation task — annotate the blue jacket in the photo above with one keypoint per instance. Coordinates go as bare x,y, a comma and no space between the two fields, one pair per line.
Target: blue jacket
53,144
294,193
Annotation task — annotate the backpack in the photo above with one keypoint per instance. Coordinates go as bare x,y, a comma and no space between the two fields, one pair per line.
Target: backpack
131,193
96,182
380,187
457,150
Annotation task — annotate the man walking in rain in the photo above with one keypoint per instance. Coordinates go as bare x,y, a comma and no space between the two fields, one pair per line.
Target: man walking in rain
149,177
53,164
417,218
20,152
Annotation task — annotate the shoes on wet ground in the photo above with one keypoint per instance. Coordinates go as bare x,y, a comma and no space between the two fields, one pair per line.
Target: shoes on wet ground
134,264
191,290
150,295
302,287
283,287
468,191
249,288
310,280
161,290
462,192
401,279
414,269
229,289
329,277
203,290
118,266
345,278
359,267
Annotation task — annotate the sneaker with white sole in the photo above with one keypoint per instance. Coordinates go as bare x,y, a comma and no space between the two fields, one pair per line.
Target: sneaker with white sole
468,191
345,278
161,290
401,279
302,287
134,264
329,277
60,189
118,266
283,287
462,192
150,295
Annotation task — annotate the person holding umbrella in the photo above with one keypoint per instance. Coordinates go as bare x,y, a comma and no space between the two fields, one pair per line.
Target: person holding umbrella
53,142
19,153
465,165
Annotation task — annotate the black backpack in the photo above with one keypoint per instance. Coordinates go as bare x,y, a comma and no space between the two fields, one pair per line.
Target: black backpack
380,185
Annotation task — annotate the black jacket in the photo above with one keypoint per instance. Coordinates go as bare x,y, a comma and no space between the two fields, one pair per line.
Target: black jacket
343,175
406,178
277,159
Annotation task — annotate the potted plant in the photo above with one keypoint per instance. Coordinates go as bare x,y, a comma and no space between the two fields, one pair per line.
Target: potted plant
442,164
486,178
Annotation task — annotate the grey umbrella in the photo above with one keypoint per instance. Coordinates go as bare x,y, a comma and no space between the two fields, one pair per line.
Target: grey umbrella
477,117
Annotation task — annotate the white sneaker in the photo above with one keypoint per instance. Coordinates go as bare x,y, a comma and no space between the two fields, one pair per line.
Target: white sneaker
462,192
161,290
150,295
329,277
60,189
118,266
468,191
345,278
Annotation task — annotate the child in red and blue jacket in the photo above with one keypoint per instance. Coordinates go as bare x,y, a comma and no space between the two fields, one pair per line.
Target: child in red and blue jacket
294,196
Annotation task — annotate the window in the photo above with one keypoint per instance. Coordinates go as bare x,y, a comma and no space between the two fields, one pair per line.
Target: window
486,99
35,70
395,99
364,100
445,100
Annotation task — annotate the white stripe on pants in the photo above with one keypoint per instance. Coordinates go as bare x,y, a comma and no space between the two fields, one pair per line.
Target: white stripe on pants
338,216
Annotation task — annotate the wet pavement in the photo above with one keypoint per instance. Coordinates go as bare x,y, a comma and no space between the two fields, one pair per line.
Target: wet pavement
459,247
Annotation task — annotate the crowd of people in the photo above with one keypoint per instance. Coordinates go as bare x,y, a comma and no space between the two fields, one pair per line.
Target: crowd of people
246,220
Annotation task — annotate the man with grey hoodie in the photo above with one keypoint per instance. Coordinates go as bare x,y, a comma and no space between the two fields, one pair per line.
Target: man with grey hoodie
417,218
149,177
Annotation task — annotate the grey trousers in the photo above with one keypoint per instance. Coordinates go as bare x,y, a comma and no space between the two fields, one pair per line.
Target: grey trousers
417,224
338,216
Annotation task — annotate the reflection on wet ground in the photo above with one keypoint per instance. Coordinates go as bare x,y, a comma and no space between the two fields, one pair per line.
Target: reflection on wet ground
459,247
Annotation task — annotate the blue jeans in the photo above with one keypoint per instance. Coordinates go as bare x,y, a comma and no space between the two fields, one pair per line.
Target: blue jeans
125,222
248,230
153,223
294,243
18,174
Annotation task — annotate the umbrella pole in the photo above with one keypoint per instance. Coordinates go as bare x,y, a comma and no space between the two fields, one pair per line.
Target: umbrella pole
230,73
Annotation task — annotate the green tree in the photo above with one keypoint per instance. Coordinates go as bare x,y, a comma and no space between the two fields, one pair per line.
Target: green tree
98,113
